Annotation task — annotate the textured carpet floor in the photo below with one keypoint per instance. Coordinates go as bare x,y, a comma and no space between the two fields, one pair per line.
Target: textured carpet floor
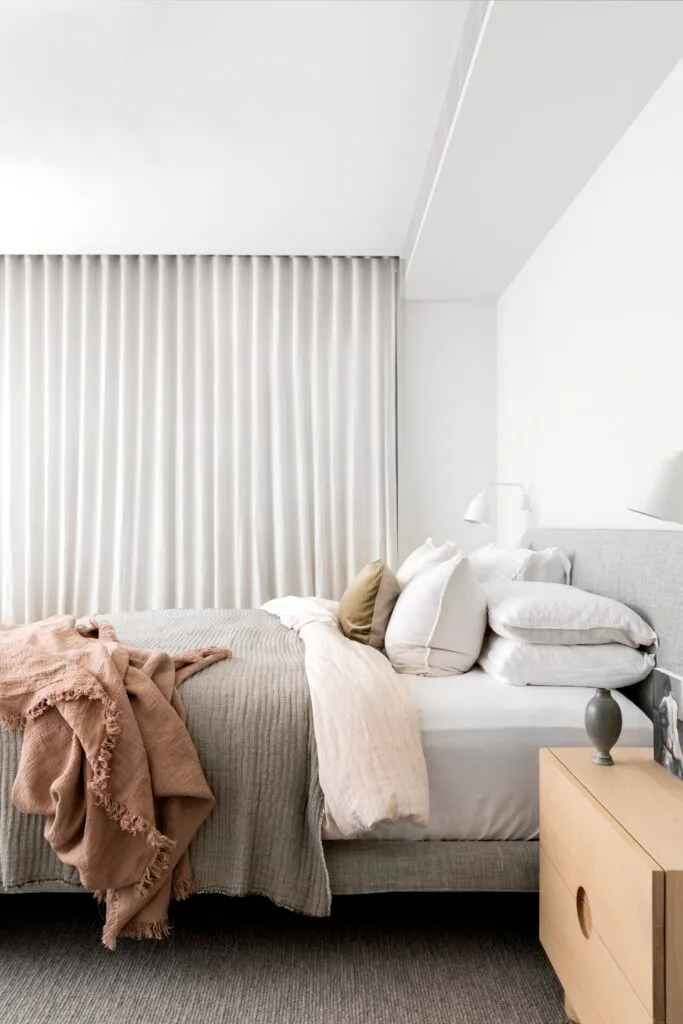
381,960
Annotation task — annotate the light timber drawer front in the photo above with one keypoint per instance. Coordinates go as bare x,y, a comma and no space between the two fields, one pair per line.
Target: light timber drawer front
611,915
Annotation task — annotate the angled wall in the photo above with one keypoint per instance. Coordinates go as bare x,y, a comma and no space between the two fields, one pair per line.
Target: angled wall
590,335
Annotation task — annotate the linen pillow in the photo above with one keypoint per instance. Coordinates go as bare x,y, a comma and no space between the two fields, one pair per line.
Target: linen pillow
423,558
438,624
550,565
552,613
520,664
367,604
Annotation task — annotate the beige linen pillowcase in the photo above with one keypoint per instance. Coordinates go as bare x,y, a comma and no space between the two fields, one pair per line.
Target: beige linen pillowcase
423,558
438,624
491,564
605,665
367,604
554,613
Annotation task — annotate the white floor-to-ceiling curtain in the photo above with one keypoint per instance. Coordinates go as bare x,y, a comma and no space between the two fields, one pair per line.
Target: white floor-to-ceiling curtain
192,431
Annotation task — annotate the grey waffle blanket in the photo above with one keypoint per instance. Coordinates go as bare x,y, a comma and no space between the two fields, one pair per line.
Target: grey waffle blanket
250,719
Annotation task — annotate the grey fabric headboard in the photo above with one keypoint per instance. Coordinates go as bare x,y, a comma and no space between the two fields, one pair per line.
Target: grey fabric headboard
642,568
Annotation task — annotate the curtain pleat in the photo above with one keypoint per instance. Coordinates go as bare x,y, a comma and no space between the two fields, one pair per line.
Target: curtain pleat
192,431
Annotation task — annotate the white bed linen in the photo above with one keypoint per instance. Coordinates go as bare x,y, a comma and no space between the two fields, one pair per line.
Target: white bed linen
481,740
367,727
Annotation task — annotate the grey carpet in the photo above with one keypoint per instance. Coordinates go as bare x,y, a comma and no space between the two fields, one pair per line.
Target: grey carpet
406,959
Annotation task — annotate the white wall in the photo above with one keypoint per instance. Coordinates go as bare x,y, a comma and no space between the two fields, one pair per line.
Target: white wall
446,419
590,335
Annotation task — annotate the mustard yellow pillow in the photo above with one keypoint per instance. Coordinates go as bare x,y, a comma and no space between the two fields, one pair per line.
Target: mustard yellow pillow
367,604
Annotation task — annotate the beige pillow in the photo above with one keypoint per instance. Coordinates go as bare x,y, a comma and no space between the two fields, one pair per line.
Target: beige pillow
553,613
438,625
423,558
605,665
367,604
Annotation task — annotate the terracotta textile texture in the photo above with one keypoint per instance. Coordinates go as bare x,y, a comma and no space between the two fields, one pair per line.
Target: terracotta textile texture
108,761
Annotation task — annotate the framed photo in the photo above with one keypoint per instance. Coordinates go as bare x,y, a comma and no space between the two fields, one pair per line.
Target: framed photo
668,721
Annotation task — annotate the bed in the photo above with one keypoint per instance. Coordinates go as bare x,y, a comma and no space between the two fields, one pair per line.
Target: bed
643,569
480,739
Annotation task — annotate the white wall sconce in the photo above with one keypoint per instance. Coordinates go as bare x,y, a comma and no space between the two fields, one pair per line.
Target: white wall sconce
479,509
661,495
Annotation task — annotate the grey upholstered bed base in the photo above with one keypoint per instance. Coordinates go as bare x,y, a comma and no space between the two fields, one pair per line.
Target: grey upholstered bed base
357,866
375,866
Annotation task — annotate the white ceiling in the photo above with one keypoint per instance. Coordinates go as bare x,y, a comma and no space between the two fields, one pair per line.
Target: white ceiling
313,126
250,126
554,85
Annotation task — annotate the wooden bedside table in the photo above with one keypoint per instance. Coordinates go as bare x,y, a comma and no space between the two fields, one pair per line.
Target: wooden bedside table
611,917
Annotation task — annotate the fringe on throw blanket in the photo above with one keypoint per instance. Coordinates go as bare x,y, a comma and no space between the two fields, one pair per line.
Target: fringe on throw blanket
105,744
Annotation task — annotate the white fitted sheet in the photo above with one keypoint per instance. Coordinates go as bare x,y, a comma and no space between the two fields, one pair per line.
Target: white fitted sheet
481,740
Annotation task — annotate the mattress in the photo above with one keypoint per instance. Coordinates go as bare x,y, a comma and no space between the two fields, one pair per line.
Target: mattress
481,740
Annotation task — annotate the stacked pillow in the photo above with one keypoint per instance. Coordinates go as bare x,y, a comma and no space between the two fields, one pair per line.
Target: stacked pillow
551,634
439,621
430,617
367,604
550,565
425,557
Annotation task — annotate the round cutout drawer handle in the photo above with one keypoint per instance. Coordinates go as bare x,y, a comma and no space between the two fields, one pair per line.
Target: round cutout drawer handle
583,911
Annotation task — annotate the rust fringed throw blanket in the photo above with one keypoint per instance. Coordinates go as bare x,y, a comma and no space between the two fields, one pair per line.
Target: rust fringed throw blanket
107,759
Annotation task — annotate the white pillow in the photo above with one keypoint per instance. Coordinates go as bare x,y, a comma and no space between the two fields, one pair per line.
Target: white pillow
520,664
438,623
552,613
425,557
548,566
